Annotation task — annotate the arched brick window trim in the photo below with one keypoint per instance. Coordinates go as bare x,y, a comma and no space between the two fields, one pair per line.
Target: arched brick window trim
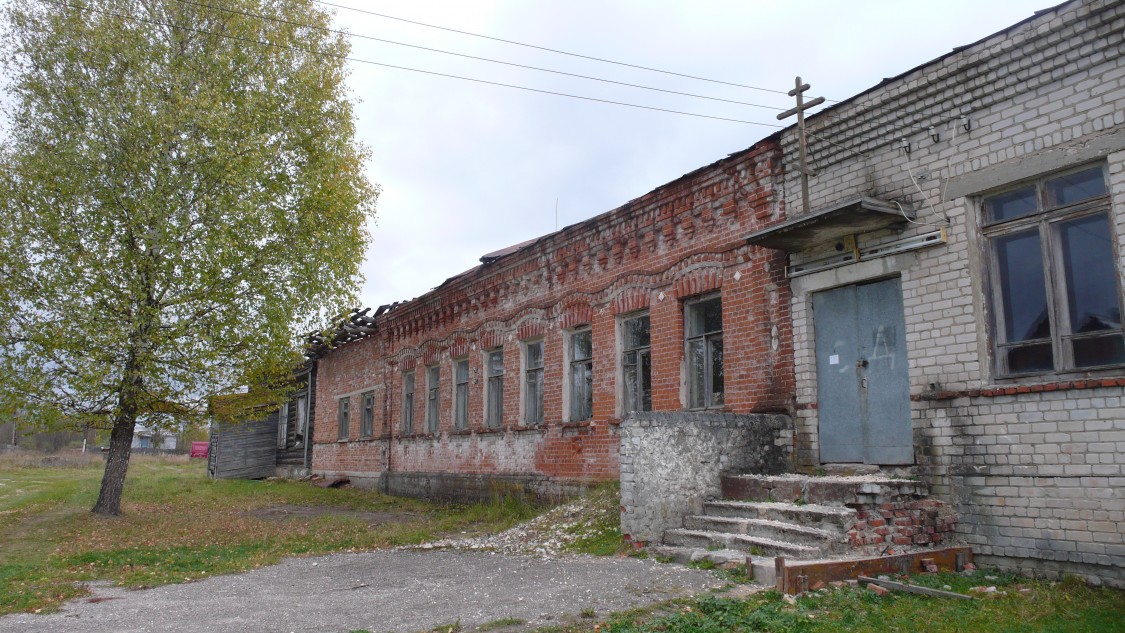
631,299
491,339
576,314
531,329
698,281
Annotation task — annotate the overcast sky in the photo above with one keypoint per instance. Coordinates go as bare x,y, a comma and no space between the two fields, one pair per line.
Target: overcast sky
468,168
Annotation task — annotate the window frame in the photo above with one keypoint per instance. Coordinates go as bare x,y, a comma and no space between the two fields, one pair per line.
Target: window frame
573,364
367,415
1046,222
493,399
343,414
460,394
707,338
408,389
433,399
532,416
640,352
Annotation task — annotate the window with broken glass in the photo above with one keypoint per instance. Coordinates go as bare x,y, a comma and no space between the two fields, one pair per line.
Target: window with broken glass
461,394
494,365
342,418
1053,268
636,364
432,398
703,324
367,418
408,402
533,383
581,375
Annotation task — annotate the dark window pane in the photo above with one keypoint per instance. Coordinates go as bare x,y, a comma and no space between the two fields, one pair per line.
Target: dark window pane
495,401
535,355
697,369
581,394
580,345
716,354
533,413
1030,358
637,332
645,386
1013,204
462,373
705,317
495,363
629,378
1101,350
1075,187
1022,288
1091,276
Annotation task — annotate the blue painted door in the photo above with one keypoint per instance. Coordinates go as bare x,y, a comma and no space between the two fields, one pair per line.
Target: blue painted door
863,389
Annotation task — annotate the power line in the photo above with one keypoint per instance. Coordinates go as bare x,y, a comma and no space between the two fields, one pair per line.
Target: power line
551,50
867,104
483,59
417,70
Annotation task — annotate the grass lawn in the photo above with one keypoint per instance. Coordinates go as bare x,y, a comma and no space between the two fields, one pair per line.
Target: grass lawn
179,526
1024,606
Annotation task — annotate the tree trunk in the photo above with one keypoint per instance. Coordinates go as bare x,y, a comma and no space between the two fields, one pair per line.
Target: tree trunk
116,466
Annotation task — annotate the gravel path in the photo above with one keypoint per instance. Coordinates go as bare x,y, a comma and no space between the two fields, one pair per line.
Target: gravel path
380,591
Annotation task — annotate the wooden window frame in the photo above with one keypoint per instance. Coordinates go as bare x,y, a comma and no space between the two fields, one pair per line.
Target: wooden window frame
532,409
461,396
343,413
574,364
493,390
367,415
706,338
1045,221
639,353
408,388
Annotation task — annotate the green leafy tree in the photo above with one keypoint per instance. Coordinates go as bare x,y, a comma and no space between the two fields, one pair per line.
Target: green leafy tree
180,191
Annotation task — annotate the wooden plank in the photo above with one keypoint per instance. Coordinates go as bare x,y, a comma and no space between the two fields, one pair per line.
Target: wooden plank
792,575
925,591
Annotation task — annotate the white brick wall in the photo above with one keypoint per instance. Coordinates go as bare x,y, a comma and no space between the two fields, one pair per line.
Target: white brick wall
1038,478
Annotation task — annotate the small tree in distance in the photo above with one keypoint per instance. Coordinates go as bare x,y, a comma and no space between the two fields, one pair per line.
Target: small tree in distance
180,191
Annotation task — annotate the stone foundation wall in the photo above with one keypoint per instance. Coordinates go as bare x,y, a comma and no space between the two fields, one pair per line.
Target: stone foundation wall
671,462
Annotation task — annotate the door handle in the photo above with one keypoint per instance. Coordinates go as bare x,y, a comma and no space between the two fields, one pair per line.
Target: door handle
861,363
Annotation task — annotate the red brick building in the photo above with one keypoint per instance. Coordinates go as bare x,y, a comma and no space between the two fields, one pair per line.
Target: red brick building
513,376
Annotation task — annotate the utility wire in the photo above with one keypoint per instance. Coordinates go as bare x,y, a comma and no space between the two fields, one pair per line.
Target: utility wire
550,50
417,70
869,106
483,59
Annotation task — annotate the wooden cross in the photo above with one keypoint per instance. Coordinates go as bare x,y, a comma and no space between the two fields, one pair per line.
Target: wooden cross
797,91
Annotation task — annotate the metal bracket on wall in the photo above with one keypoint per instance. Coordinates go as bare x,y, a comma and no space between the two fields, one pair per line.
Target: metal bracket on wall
850,253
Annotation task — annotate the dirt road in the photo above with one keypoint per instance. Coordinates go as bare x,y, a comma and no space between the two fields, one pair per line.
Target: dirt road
402,591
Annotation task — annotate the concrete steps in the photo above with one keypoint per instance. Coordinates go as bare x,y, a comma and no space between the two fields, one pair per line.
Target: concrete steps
758,545
828,518
833,491
799,517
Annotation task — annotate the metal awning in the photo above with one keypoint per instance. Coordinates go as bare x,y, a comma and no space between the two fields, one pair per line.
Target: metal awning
849,217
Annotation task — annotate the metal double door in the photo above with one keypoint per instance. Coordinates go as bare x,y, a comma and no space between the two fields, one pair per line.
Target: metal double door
863,388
